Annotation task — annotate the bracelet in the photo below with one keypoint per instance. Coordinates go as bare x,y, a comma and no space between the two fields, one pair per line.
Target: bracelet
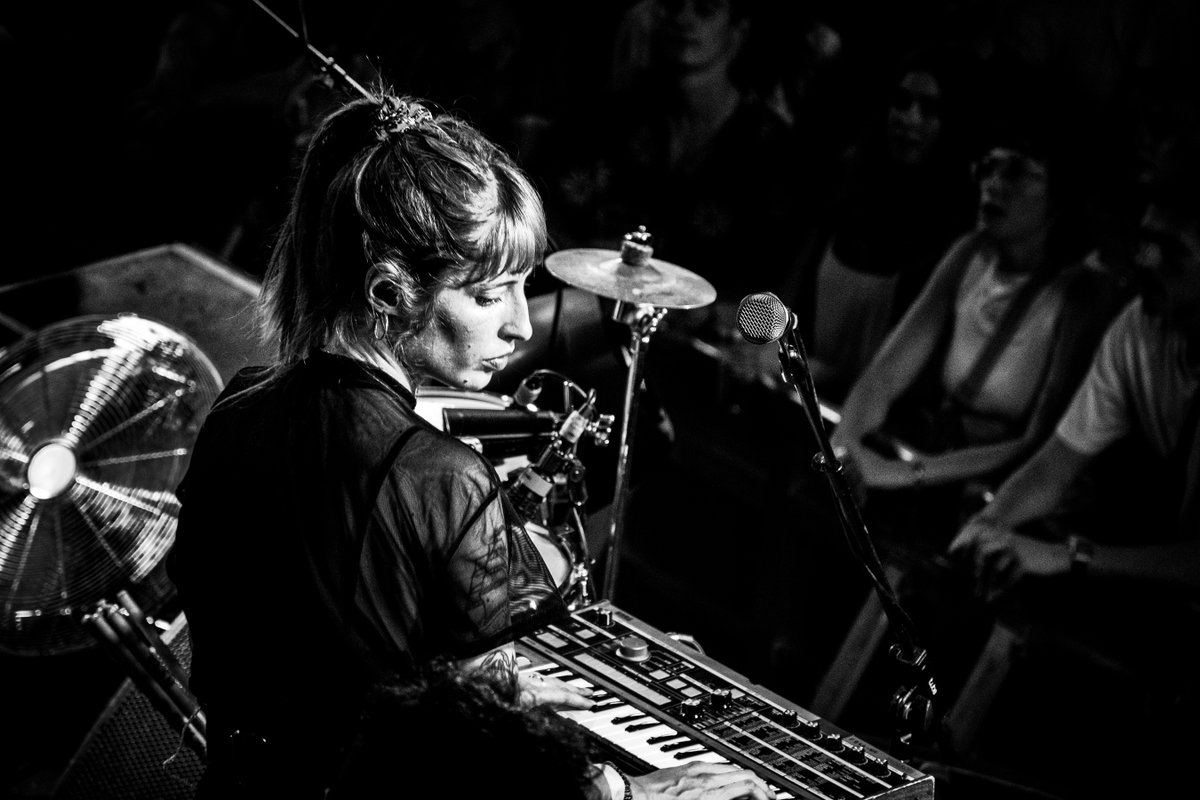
1081,551
617,782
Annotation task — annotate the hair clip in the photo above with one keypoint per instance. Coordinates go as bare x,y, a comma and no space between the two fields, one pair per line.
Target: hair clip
395,117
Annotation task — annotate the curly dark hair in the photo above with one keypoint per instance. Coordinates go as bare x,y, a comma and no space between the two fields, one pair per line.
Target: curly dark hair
468,729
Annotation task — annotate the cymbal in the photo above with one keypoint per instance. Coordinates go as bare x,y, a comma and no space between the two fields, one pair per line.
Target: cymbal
654,282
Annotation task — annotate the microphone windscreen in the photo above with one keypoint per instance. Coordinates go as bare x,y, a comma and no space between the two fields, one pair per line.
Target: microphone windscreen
762,318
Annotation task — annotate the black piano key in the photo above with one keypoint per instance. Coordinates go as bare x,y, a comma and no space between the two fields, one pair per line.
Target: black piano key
627,718
665,738
667,748
684,754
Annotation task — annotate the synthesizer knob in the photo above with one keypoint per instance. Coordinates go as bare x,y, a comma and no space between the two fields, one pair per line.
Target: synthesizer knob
605,618
855,754
633,648
721,700
833,743
876,766
691,709
809,728
785,717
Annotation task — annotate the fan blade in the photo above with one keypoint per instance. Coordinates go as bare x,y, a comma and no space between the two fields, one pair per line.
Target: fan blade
165,402
18,530
135,458
14,458
138,524
118,367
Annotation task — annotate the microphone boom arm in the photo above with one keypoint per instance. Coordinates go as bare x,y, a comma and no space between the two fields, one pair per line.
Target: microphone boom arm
914,702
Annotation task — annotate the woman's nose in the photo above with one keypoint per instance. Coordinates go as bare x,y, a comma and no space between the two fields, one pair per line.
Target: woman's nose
518,326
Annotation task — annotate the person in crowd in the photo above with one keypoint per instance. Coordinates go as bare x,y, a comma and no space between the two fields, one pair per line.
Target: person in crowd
1143,384
688,151
975,373
1089,551
369,541
442,713
445,712
904,196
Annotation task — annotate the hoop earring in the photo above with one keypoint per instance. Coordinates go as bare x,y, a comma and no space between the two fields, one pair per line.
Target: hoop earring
380,328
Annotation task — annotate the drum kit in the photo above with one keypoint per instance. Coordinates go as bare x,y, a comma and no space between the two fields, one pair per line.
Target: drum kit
645,289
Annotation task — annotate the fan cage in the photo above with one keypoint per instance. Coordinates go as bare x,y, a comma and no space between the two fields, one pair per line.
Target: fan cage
98,416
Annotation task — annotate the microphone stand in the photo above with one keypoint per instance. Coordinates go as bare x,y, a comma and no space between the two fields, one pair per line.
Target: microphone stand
914,702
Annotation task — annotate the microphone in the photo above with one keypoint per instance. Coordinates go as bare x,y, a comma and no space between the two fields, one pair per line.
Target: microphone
487,423
762,318
513,427
529,487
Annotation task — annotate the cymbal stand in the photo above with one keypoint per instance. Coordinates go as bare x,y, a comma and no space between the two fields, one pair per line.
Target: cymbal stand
644,322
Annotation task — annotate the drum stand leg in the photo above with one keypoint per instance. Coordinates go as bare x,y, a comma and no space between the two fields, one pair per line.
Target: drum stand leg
578,592
643,325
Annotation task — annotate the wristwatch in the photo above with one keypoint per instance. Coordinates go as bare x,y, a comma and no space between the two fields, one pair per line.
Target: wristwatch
1081,551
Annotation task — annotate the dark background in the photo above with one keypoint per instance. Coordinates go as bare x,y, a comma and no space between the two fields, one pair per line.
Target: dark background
127,127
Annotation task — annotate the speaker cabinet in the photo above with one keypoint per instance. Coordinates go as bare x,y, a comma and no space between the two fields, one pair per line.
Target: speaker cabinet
185,288
132,752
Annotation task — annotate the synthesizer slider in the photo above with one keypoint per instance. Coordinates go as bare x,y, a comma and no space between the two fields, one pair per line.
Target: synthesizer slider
662,704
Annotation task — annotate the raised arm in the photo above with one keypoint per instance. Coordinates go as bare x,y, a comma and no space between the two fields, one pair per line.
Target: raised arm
905,352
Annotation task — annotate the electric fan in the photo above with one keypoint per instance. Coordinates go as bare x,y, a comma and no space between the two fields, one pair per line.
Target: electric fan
98,416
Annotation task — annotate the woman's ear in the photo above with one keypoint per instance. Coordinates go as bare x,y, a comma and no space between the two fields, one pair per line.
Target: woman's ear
383,295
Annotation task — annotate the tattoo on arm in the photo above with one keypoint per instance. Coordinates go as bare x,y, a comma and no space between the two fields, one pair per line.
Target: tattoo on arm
501,662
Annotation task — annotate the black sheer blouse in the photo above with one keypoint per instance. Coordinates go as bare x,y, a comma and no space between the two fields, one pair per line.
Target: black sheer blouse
328,536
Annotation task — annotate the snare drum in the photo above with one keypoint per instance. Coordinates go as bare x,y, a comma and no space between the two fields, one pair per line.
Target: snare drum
554,553
432,402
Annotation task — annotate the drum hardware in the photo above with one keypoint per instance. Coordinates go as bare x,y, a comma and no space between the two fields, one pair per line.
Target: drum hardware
556,465
645,288
505,429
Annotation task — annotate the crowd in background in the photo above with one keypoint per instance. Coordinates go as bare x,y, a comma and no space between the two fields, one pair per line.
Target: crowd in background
915,179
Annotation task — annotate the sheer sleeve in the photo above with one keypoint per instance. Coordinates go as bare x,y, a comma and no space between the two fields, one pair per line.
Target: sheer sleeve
501,582
448,569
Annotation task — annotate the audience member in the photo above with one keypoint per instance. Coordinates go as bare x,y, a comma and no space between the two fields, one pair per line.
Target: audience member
1113,573
446,717
436,721
974,375
1142,385
904,196
688,151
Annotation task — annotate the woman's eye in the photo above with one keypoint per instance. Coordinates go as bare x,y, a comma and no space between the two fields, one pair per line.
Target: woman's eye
486,299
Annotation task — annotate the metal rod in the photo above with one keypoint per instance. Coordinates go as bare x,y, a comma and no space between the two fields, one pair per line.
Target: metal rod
642,328
328,65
